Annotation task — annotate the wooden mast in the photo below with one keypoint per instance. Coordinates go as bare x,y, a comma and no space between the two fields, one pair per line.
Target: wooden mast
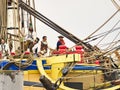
3,19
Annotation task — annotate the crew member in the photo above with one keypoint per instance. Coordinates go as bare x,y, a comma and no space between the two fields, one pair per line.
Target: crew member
29,39
44,46
60,42
35,46
4,49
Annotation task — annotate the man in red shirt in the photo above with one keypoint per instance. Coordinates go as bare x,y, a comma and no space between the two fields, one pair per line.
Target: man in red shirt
60,42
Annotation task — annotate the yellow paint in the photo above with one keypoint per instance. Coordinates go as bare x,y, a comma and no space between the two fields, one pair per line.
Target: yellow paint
42,71
63,59
117,87
56,70
33,88
87,71
57,63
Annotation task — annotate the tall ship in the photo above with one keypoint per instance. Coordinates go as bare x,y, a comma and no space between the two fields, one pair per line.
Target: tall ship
81,67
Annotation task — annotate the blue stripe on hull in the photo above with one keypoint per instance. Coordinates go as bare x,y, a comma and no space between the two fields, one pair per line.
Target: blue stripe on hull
34,67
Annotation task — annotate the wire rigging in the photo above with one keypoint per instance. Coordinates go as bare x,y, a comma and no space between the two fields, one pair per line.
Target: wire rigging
113,44
107,33
102,25
95,37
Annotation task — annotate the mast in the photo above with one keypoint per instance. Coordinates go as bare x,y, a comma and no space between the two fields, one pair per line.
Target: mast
3,19
13,23
17,22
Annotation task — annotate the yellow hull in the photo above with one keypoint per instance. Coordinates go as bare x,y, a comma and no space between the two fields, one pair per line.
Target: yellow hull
34,75
89,78
33,88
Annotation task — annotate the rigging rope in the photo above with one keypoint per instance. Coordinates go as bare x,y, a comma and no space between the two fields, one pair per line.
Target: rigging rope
108,52
53,25
101,45
102,34
102,25
34,17
108,32
113,44
116,5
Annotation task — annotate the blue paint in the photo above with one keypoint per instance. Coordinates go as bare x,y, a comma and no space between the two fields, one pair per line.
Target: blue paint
33,66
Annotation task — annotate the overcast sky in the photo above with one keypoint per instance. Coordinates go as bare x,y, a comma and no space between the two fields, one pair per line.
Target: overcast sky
80,17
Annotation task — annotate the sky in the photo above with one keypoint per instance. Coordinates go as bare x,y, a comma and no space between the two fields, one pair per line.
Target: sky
79,17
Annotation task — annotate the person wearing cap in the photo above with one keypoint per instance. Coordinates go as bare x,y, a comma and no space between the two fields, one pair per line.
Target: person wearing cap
60,42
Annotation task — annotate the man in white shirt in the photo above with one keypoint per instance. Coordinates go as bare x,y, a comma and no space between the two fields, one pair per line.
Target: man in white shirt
35,48
4,49
43,48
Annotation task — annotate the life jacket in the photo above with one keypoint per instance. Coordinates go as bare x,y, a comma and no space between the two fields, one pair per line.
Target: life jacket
44,47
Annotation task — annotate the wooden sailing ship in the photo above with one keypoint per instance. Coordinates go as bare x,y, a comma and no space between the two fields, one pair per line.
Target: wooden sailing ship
85,68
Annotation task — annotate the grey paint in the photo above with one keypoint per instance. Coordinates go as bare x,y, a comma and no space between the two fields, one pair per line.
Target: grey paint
11,80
